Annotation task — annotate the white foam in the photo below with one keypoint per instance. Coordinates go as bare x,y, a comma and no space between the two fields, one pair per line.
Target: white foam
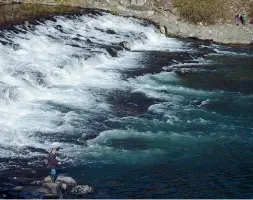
43,73
226,52
150,86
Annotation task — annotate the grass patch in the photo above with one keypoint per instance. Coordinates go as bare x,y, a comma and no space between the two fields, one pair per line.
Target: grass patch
206,11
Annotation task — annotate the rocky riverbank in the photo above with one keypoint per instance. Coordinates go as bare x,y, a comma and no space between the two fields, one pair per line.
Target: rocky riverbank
25,184
161,13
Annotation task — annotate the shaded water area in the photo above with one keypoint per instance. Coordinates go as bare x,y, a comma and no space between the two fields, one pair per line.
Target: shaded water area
169,118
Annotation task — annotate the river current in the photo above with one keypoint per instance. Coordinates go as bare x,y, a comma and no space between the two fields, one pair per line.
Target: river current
169,118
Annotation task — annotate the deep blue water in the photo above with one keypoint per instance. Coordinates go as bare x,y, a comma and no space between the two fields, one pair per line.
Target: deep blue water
201,131
170,118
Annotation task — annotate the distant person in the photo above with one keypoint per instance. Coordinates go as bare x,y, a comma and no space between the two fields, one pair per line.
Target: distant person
52,164
238,19
243,17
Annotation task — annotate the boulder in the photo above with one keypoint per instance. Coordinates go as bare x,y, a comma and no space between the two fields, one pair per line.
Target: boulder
81,190
125,45
66,179
53,188
191,35
110,31
64,186
47,179
88,41
44,190
163,30
61,179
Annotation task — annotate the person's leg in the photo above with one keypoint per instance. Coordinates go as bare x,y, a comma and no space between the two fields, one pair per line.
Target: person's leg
53,174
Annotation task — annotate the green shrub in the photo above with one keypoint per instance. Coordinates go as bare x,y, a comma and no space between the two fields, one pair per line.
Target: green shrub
206,11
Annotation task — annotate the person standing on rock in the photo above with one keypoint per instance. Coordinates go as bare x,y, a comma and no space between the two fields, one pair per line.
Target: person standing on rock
238,19
52,164
243,17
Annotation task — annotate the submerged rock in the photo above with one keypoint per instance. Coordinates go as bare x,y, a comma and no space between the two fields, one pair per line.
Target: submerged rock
112,52
18,188
110,31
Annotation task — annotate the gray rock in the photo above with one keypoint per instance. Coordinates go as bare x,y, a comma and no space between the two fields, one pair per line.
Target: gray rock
191,34
163,30
64,186
47,179
140,2
44,190
110,31
54,188
125,45
81,190
66,179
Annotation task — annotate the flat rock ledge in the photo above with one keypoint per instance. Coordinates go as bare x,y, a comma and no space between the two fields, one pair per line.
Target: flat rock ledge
64,187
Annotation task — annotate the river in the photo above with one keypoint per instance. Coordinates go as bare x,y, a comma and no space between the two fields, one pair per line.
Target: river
171,118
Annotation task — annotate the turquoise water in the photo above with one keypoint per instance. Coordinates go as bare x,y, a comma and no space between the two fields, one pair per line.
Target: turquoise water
170,118
186,136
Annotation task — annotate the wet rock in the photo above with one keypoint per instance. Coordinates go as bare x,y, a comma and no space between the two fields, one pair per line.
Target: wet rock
44,190
112,52
64,186
53,188
66,180
47,179
163,30
36,189
81,190
110,31
125,45
88,41
62,180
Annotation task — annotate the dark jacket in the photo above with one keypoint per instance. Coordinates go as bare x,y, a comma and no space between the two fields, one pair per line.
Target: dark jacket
52,161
